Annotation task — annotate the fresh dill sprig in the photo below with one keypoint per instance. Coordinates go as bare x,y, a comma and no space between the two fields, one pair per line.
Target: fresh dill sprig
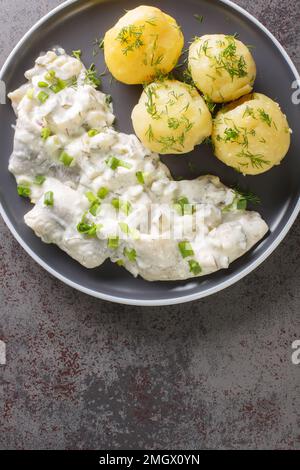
149,134
199,18
237,134
173,123
170,143
181,139
241,199
154,47
98,46
131,38
230,61
183,59
256,160
187,77
157,61
249,112
91,76
77,54
231,134
162,76
231,37
265,117
174,95
150,103
203,48
246,195
187,123
210,104
108,99
151,21
207,141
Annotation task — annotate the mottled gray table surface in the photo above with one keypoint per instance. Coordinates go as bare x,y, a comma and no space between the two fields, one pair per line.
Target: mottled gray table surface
84,373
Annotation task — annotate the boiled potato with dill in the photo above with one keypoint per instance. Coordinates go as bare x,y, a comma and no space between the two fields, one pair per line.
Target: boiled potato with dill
251,135
144,43
222,67
171,117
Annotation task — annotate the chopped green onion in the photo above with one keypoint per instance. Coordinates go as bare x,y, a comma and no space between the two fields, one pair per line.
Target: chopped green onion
93,230
124,227
140,177
88,229
120,262
195,267
237,204
130,254
91,196
58,86
113,243
55,88
114,163
103,192
116,203
124,206
108,99
65,158
39,180
183,206
185,249
45,133
77,54
95,207
95,203
49,198
43,84
82,227
24,191
43,96
93,132
241,204
50,76
183,201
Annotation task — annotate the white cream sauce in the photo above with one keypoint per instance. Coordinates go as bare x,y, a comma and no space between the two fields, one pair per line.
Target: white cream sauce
217,232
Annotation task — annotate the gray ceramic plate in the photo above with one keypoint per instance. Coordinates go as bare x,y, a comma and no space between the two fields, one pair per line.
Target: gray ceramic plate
75,25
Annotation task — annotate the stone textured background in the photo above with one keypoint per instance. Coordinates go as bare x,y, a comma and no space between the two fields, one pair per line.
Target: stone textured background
217,373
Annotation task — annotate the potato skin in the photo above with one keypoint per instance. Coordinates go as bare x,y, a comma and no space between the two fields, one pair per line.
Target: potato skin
171,117
222,67
251,135
145,42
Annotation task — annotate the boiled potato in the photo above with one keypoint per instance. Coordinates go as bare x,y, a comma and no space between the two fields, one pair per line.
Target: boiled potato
222,67
145,42
251,135
171,117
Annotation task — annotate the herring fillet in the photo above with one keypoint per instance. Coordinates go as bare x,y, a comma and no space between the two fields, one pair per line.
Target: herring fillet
221,236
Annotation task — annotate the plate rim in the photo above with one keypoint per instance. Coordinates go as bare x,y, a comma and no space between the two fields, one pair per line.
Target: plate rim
174,300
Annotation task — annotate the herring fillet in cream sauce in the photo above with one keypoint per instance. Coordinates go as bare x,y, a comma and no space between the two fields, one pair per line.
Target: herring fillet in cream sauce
92,186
